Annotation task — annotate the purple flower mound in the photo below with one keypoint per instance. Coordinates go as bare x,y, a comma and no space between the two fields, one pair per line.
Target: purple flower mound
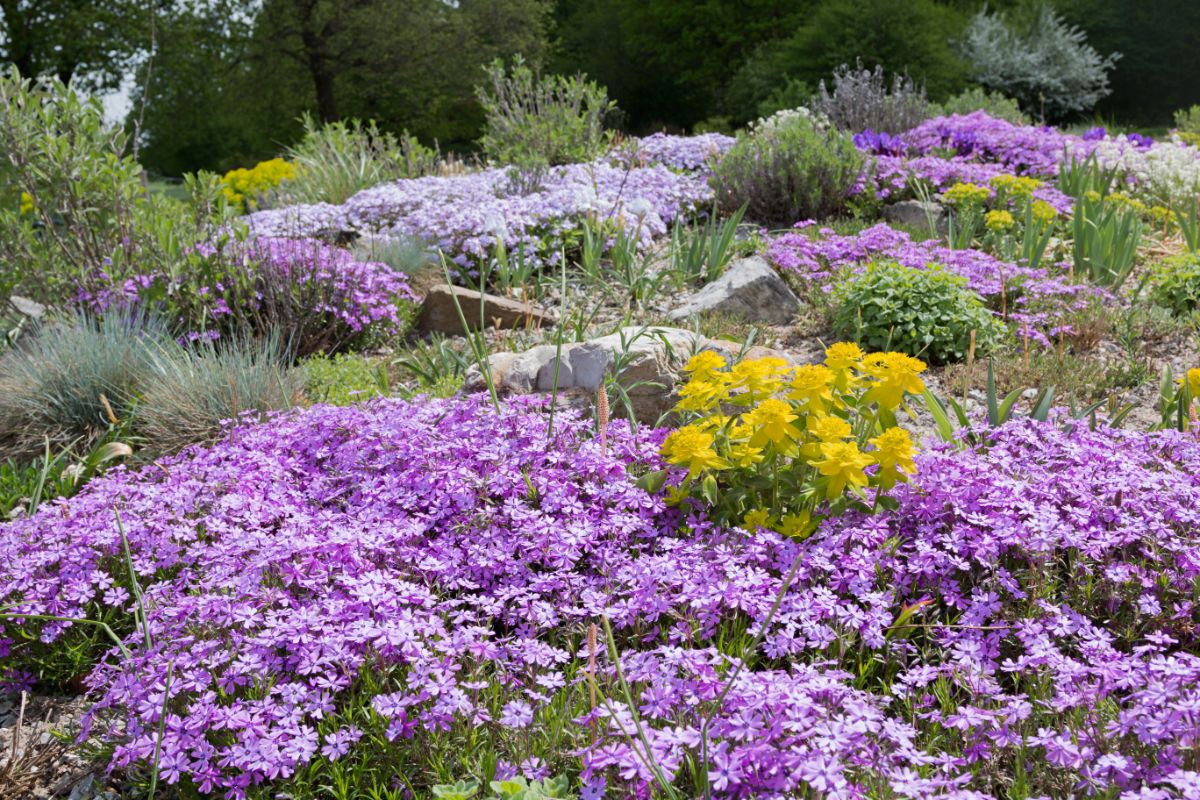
315,296
1030,606
1021,149
1035,298
468,215
683,153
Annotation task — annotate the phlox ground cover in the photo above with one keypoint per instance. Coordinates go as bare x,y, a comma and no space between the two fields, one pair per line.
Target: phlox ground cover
413,592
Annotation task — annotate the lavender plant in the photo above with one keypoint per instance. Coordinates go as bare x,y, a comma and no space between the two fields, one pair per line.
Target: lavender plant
861,99
535,119
795,169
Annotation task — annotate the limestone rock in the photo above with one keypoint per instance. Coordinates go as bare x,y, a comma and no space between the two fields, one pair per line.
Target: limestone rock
750,289
915,214
439,314
646,362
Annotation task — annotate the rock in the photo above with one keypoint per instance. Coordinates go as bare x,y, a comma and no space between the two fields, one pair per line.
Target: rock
439,314
915,214
749,289
27,307
646,362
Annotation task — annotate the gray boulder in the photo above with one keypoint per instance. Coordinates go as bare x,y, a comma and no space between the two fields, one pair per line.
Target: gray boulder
750,289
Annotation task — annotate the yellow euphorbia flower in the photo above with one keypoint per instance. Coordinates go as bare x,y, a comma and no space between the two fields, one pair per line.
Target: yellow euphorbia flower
824,428
894,374
812,385
704,365
26,203
843,464
756,518
796,525
1192,379
843,355
760,377
1043,212
894,455
701,393
966,194
744,455
772,421
998,221
692,447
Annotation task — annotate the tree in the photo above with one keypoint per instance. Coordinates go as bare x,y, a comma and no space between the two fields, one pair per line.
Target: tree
96,41
1041,61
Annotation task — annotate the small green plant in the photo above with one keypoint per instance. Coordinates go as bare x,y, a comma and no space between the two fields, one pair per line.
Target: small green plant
516,788
1175,284
699,253
437,366
537,119
928,313
792,170
1106,238
338,159
344,379
1187,125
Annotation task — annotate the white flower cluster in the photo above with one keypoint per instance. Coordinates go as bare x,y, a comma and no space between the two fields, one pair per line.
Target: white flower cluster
1164,173
785,117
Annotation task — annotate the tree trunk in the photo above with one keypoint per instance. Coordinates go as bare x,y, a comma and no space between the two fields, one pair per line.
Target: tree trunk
323,82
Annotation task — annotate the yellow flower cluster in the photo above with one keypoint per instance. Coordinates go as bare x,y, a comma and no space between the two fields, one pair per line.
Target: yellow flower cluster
26,203
966,194
769,442
998,221
1043,212
1015,186
244,186
1192,380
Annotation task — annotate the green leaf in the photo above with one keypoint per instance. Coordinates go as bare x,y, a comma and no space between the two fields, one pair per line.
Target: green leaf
941,420
1045,402
653,481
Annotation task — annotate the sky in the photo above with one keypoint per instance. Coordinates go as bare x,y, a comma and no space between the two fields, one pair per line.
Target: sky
118,103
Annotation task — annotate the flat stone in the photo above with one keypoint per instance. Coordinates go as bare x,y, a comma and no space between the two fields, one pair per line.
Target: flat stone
27,307
439,313
750,290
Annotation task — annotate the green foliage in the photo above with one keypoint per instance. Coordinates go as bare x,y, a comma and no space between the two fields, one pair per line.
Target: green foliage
1038,58
79,216
1175,284
73,381
516,788
437,367
927,313
335,160
787,171
24,486
1106,237
995,104
191,391
343,379
1187,120
535,119
699,253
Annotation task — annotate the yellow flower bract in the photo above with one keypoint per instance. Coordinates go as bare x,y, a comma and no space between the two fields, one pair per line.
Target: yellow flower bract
773,442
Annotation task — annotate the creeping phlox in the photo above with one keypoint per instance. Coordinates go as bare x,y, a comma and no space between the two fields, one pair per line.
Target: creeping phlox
243,187
768,443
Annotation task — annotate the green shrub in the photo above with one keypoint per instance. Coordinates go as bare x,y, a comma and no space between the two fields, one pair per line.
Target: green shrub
74,210
70,382
789,168
535,119
1187,125
861,100
995,104
1175,284
191,391
927,313
338,159
343,379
